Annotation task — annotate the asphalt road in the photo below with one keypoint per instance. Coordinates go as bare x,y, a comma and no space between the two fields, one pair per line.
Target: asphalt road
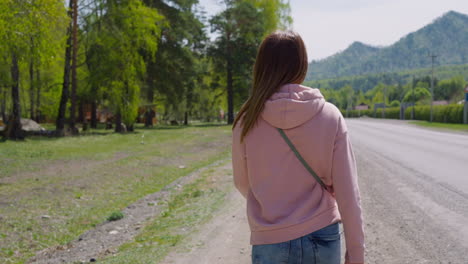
442,156
414,189
414,185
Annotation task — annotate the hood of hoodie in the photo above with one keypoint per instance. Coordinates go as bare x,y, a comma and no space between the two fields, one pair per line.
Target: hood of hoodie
292,106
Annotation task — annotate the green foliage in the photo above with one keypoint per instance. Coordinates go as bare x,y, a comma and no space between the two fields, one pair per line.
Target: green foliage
391,113
32,32
209,96
420,95
115,61
451,90
172,77
395,103
241,28
276,14
29,27
114,216
410,52
452,113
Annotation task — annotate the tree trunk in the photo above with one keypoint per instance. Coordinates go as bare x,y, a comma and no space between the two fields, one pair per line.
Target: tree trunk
60,124
31,81
118,123
13,130
148,118
74,84
230,94
3,108
94,114
38,96
186,118
189,104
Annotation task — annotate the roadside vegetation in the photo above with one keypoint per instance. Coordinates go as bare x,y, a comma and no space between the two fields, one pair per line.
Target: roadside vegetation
54,189
452,114
456,127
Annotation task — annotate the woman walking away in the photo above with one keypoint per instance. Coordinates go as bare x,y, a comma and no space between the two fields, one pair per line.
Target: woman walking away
293,162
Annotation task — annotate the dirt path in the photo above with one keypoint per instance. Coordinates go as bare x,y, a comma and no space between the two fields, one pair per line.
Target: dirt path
225,239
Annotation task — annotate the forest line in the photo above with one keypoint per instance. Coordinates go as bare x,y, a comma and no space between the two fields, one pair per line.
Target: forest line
63,59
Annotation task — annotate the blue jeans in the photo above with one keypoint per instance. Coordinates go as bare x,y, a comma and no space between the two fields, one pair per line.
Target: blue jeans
320,247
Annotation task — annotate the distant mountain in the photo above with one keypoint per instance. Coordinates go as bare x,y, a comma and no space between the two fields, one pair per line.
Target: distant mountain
447,37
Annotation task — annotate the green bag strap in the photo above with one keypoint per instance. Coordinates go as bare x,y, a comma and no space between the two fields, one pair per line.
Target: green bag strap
301,159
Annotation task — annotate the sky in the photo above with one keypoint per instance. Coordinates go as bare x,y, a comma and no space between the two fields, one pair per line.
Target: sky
330,26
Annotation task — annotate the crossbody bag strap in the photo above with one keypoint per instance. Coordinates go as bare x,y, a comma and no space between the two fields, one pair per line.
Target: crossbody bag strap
301,159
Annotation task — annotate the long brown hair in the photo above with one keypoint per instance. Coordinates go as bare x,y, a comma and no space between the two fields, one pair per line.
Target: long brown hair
281,59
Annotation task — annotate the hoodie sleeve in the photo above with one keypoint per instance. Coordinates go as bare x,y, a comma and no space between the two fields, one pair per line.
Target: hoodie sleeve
345,184
239,163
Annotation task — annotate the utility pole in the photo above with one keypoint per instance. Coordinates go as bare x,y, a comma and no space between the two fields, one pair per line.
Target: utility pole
465,109
432,82
414,103
384,97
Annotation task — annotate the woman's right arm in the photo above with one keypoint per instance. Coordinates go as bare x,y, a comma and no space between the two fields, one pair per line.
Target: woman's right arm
345,185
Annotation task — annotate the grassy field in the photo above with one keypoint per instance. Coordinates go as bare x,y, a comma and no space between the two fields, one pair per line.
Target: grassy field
53,189
456,127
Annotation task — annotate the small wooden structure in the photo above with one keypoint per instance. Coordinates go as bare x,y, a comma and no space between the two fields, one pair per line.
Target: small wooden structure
361,106
147,114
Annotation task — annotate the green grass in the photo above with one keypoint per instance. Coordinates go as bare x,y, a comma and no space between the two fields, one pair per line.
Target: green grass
182,214
79,181
456,127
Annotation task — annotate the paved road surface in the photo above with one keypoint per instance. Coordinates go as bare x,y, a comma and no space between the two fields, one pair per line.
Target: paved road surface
414,188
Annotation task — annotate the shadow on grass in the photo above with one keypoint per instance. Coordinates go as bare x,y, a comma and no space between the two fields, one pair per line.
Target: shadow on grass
49,135
170,127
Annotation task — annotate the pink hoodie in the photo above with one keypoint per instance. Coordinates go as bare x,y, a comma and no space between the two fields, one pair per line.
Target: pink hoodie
284,201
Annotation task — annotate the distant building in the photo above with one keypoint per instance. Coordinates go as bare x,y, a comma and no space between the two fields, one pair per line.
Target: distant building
362,106
442,102
102,114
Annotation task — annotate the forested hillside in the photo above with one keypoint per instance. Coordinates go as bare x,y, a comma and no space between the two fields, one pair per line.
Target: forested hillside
447,37
369,81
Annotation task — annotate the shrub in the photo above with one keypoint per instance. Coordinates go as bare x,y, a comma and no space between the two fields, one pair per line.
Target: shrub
395,103
391,113
452,113
117,215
